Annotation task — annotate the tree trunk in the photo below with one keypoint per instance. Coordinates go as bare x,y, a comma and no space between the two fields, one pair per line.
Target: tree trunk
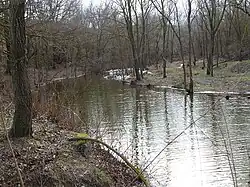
204,46
191,89
164,32
194,55
217,50
142,43
164,50
129,25
8,63
171,52
210,56
22,122
7,41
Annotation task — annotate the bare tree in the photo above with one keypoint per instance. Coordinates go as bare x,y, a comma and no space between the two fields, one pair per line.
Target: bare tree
177,33
243,5
22,122
191,89
212,12
145,8
165,36
126,7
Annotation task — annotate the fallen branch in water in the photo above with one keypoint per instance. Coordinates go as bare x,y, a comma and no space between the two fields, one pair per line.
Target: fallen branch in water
136,170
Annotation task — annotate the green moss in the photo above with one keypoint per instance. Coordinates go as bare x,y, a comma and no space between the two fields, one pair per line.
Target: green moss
102,177
242,78
81,135
140,176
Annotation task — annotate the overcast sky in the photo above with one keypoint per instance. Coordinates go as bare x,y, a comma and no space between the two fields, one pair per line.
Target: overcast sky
87,2
181,3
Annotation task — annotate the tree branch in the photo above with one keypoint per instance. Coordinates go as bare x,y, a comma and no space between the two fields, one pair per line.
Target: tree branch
138,173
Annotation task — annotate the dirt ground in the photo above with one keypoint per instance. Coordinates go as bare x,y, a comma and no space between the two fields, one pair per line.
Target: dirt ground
49,159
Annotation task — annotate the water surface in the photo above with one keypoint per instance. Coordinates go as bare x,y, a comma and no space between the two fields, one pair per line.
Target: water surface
141,123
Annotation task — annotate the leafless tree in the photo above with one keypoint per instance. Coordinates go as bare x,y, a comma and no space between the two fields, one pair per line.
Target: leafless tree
191,89
127,10
243,5
165,33
212,12
177,32
22,122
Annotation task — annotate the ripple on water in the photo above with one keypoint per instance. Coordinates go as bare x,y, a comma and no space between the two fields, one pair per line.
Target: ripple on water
140,123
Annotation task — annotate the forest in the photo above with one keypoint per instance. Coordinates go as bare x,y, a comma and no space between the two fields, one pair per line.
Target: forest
191,45
126,34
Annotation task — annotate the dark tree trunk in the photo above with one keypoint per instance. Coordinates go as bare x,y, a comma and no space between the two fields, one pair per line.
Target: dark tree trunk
129,27
164,32
22,122
210,56
8,63
194,55
171,53
164,51
191,89
7,41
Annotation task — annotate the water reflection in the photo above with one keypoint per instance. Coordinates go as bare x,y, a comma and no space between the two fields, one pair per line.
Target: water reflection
139,123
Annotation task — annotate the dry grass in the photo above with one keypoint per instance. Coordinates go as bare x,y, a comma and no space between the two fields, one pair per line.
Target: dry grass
224,76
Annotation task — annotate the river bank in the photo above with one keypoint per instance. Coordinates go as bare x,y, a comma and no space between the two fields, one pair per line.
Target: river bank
229,77
49,159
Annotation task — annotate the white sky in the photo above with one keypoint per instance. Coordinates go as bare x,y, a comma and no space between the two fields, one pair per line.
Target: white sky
87,2
181,3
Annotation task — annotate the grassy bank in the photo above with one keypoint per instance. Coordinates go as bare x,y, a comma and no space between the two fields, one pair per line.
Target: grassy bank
228,77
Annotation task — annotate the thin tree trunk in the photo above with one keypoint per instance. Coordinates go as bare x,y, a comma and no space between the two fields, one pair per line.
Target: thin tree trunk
171,48
194,55
22,122
191,90
164,32
217,50
205,55
143,38
210,56
129,24
164,52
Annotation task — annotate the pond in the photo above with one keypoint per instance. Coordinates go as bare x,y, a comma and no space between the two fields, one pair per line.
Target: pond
179,142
